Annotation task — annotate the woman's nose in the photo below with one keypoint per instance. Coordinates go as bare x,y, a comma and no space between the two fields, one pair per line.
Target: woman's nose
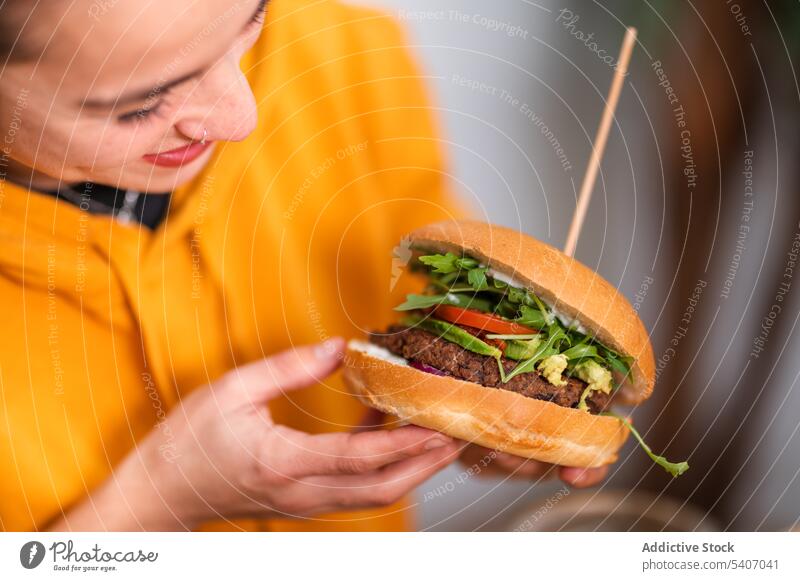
221,106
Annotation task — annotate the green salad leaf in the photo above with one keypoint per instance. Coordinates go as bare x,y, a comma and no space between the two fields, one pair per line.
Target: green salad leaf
674,468
418,302
531,317
477,278
414,302
580,351
447,263
546,348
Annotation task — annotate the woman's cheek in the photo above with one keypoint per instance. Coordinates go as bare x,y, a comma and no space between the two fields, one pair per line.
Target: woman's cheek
97,150
112,145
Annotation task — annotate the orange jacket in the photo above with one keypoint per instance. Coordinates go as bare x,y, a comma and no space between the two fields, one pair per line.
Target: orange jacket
284,239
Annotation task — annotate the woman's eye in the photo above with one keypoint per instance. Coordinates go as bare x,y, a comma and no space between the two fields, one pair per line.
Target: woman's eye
139,115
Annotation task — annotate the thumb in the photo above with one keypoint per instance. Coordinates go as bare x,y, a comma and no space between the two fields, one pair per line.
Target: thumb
265,379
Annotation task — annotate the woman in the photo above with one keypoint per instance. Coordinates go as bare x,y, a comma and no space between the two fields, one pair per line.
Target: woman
181,196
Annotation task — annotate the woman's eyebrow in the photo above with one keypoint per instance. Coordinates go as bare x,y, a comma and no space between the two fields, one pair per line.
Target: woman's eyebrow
140,96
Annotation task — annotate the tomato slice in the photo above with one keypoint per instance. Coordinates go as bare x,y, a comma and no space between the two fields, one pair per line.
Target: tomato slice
484,321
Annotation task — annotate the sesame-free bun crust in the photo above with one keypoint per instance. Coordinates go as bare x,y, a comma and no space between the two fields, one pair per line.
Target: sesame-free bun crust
561,281
494,418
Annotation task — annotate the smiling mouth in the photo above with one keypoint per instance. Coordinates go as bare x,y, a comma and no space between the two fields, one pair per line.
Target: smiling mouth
178,156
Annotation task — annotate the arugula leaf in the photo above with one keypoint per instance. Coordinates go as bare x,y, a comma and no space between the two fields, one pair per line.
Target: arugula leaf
546,349
414,302
447,279
549,317
619,365
581,350
477,278
519,296
674,468
471,302
507,310
528,365
610,353
443,263
447,263
531,317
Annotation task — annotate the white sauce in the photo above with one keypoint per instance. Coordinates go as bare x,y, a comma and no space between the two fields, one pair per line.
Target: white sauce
376,351
566,320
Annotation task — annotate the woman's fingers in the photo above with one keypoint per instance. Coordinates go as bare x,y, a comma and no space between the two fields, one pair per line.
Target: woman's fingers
492,463
384,486
300,454
487,462
582,477
265,379
522,467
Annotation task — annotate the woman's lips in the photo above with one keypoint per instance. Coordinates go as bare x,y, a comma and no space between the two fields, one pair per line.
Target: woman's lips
179,156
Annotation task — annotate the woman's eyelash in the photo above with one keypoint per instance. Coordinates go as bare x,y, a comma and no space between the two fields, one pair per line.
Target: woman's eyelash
258,17
140,115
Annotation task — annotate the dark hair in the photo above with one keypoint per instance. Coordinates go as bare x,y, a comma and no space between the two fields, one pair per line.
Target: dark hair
13,17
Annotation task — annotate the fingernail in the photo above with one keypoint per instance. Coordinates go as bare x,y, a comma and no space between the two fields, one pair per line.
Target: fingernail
437,442
327,348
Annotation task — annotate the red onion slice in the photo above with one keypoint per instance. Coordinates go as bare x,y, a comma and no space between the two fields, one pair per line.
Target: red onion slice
426,368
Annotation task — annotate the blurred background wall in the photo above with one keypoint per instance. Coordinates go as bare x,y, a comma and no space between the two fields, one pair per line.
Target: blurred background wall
695,217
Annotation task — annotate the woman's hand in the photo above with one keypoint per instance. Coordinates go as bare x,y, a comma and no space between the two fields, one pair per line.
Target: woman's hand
485,462
229,459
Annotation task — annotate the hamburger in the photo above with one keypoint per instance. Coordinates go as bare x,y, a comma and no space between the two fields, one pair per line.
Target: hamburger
512,345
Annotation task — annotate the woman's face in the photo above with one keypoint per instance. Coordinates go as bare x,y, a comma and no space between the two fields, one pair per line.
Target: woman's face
114,86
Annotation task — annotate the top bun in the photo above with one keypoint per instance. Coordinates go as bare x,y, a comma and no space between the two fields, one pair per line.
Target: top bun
559,280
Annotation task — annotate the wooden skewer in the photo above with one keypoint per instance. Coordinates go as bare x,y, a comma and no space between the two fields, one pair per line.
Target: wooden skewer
600,142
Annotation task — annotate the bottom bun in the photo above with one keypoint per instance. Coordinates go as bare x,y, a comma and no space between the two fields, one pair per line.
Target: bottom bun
494,418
